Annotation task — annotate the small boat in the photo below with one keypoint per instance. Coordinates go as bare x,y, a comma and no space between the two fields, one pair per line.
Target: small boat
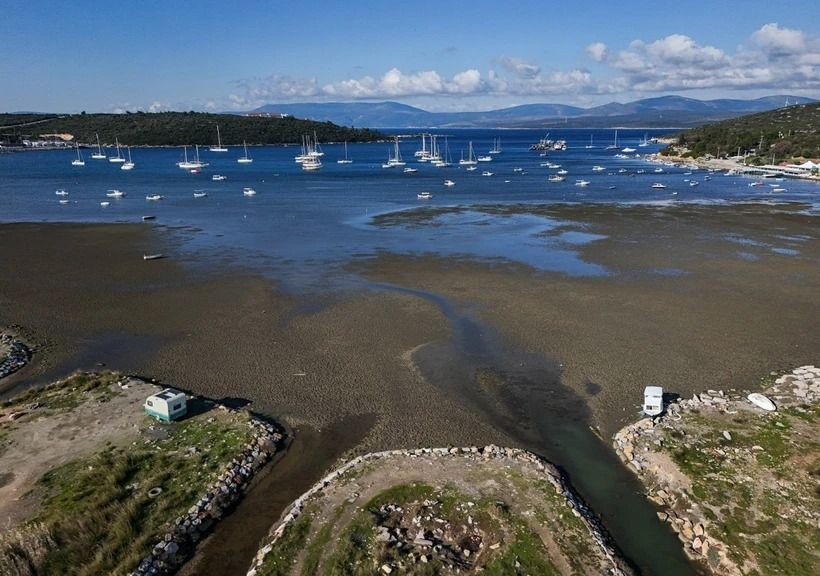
611,187
652,400
346,160
218,147
761,401
152,256
153,197
118,159
409,170
621,170
658,170
694,183
200,194
248,191
518,169
472,168
104,203
556,178
628,150
424,195
128,165
562,172
756,183
115,194
582,182
487,173
79,160
598,168
590,145
98,155
64,201
658,185
218,177
485,159
778,189
61,192
245,159
449,183
146,218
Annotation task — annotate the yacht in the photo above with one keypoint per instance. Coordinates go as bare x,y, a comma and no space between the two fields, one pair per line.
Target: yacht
424,195
556,178
128,165
658,185
312,164
118,159
471,160
248,191
115,194
218,147
98,155
449,183
394,160
582,182
485,158
153,197
345,160
79,160
245,159
218,177
195,164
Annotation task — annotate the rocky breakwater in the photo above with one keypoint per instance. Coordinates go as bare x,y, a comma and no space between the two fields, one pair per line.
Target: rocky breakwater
551,474
178,543
14,354
733,480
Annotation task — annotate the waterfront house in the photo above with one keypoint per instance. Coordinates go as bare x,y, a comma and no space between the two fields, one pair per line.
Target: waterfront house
167,405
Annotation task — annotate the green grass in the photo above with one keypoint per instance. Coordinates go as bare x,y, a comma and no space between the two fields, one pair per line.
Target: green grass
98,511
279,561
524,555
71,392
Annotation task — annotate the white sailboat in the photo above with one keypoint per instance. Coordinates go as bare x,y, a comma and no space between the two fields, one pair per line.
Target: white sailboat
496,149
346,159
470,160
394,160
245,159
311,159
118,159
645,142
423,155
614,144
128,165
218,147
195,164
590,145
316,150
79,160
98,155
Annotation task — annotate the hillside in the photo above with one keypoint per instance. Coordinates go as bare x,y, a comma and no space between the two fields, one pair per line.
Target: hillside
176,128
788,133
664,111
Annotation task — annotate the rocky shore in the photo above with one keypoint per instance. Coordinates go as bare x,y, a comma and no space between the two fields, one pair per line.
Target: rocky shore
14,354
550,473
178,543
720,468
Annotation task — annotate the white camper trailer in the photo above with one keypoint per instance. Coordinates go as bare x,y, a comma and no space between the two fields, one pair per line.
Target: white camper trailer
167,405
652,400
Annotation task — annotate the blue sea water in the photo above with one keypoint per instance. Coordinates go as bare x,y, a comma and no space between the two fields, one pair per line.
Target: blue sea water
324,217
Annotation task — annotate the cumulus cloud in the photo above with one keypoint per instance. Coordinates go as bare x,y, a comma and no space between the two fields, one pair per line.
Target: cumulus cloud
519,67
598,51
779,41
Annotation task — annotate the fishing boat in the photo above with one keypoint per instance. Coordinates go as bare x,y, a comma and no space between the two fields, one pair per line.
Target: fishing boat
346,159
487,173
200,194
496,149
449,183
582,183
218,147
245,159
98,155
153,198
118,159
79,160
218,177
470,160
248,191
658,185
424,195
128,165
115,194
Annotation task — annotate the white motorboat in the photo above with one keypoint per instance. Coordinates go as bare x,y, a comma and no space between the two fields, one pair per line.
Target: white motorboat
424,195
218,177
98,155
128,165
64,201
249,192
152,256
346,159
200,194
658,185
582,182
518,169
61,192
104,203
218,147
658,170
79,160
485,158
245,159
556,178
597,168
562,172
652,400
628,150
694,183
118,159
153,197
115,194
410,170
472,168
487,173
449,183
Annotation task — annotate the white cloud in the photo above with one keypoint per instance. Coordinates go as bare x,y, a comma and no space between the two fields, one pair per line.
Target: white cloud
598,51
519,67
780,41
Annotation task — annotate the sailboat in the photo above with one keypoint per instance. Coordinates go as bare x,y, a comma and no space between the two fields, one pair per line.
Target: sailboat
614,144
311,158
98,155
245,159
590,145
218,147
344,160
118,159
496,149
79,161
316,150
470,161
128,165
645,141
423,155
395,159
195,164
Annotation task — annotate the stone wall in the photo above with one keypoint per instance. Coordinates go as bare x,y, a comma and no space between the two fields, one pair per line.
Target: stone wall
551,474
13,354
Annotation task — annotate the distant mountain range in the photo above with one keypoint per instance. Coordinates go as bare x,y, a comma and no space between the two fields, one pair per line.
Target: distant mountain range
665,111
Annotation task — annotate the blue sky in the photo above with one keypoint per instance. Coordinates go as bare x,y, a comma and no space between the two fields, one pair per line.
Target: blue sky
442,55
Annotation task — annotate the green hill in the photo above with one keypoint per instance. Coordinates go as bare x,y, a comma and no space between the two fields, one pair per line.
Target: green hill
790,133
176,128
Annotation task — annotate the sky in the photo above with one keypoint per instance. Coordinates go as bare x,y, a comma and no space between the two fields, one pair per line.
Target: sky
446,55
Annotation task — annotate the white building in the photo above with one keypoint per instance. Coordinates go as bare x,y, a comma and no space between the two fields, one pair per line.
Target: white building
167,405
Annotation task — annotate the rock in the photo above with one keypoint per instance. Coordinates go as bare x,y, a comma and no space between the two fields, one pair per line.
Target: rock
687,533
423,559
386,568
697,544
704,549
727,435
699,529
662,516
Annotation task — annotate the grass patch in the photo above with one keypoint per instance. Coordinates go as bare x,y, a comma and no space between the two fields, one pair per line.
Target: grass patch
525,555
71,392
279,561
